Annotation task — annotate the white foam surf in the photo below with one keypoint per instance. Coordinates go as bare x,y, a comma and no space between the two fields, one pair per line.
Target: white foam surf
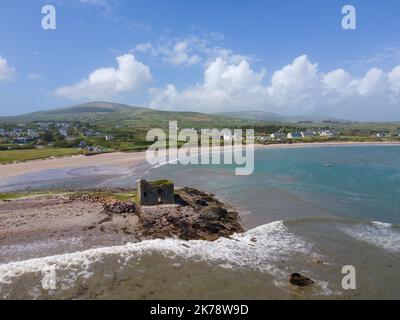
262,249
376,233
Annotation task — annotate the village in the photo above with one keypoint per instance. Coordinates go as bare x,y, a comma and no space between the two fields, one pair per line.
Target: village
91,137
58,134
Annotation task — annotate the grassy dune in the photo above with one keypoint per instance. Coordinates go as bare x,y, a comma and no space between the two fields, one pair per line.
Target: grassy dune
35,154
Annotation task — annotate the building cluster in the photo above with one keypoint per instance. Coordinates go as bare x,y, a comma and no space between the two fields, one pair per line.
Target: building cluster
20,134
26,134
387,134
292,135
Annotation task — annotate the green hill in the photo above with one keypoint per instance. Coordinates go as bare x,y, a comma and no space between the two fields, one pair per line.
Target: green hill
88,111
111,114
274,117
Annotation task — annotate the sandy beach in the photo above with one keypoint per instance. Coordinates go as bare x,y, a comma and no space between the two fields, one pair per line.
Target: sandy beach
48,225
133,159
112,159
98,254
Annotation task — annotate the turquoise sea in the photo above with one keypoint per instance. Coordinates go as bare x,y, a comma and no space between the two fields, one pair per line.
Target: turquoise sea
311,209
357,182
343,201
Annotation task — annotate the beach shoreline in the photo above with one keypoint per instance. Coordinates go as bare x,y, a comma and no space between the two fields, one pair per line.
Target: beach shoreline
285,238
135,159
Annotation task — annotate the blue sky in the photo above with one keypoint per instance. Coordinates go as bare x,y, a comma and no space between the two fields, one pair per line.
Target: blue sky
290,57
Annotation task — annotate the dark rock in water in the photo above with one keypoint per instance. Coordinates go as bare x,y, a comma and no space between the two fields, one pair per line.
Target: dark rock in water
201,202
299,280
180,201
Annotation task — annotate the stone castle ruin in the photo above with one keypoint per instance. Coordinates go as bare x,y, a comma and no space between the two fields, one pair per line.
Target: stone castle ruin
155,193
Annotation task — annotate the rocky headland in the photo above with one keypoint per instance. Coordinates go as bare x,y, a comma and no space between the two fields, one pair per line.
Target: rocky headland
51,223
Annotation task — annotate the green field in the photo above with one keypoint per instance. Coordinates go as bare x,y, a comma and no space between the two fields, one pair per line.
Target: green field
35,154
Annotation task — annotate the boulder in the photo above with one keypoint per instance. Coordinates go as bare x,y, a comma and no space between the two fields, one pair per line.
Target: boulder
299,280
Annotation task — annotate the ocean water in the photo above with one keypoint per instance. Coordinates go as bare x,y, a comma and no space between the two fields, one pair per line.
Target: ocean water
311,210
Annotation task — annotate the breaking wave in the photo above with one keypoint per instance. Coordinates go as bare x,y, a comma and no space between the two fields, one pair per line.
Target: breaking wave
260,249
380,234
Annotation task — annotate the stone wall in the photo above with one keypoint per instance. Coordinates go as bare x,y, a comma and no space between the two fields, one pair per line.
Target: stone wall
155,193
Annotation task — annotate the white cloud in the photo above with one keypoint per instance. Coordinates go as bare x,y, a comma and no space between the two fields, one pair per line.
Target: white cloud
374,83
146,48
6,72
299,87
225,86
178,53
189,51
34,76
338,81
296,84
103,83
181,54
394,80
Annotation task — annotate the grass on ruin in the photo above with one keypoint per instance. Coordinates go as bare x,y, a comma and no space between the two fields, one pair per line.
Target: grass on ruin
160,182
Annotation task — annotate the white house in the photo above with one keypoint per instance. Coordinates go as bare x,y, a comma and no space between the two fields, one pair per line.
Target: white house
109,137
294,135
307,134
327,133
63,132
382,135
32,133
88,133
278,135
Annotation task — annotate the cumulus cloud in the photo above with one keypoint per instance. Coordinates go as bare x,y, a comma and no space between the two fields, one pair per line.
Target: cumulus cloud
394,80
179,52
6,72
189,51
129,76
225,86
299,87
338,82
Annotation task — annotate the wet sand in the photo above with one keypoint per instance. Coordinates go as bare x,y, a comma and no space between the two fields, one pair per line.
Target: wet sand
118,159
133,159
48,225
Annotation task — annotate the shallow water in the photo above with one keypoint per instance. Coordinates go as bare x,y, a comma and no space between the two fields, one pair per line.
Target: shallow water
309,210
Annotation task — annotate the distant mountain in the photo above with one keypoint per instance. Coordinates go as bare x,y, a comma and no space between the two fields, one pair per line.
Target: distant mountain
107,113
274,117
86,111
255,115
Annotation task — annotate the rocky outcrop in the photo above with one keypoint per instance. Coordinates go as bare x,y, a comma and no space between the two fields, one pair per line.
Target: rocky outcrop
194,216
299,280
109,203
119,207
